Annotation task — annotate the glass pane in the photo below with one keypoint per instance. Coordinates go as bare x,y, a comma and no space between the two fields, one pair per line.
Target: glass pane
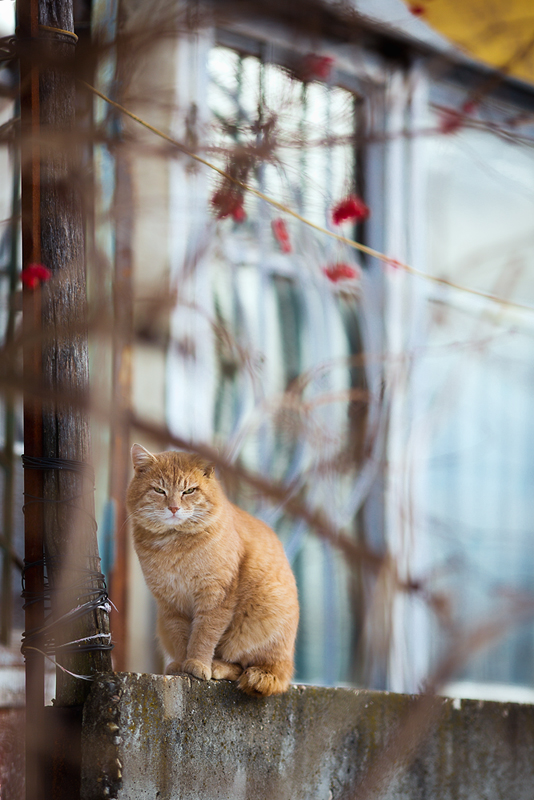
481,195
474,378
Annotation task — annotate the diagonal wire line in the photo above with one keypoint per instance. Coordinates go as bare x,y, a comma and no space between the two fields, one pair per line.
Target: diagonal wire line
286,210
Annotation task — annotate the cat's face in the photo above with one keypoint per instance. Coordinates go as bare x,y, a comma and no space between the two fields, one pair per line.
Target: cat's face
171,492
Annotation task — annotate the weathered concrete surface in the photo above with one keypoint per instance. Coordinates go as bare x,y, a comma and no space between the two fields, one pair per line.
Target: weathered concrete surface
149,737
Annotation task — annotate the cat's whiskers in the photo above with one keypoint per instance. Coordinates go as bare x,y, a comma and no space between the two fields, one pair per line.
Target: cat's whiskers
161,522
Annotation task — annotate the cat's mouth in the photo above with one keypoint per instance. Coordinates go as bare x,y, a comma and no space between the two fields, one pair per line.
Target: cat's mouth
165,529
176,518
179,518
163,522
165,519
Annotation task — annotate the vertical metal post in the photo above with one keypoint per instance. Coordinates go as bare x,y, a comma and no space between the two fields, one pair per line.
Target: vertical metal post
9,441
28,20
59,502
70,541
121,400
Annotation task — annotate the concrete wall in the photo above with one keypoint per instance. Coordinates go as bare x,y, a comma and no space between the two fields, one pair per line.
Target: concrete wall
150,737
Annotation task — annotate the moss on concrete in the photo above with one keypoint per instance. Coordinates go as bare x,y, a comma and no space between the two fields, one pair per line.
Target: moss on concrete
166,738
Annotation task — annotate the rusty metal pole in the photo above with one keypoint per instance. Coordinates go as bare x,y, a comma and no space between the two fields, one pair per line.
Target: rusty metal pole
121,401
70,529
59,505
28,18
8,453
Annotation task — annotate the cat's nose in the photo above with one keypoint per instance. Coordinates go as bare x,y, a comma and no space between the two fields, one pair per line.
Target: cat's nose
174,509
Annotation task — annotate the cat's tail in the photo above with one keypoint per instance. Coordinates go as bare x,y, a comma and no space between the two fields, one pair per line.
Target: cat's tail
266,679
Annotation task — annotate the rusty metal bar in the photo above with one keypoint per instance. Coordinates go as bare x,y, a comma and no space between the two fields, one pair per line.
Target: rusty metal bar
60,530
70,543
28,19
10,558
121,402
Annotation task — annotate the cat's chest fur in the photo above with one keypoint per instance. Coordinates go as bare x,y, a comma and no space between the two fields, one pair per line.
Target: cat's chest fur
187,575
172,584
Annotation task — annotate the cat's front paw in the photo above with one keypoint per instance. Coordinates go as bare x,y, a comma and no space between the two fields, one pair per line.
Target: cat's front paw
195,667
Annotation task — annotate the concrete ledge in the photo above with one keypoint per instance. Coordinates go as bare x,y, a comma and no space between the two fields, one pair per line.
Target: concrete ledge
150,737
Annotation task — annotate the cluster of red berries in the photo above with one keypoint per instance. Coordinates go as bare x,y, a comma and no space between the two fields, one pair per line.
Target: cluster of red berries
351,208
34,274
341,272
228,202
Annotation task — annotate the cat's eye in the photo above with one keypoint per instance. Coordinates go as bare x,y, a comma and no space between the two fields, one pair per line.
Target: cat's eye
190,491
159,490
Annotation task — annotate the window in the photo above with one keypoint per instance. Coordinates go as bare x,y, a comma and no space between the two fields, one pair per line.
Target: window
463,433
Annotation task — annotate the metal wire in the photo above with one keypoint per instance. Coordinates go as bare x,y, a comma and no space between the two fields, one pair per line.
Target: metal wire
89,587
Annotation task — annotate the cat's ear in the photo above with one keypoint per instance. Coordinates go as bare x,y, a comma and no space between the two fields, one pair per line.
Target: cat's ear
141,457
209,469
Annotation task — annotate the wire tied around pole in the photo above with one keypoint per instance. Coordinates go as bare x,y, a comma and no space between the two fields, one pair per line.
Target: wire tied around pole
89,588
50,33
59,32
42,462
89,599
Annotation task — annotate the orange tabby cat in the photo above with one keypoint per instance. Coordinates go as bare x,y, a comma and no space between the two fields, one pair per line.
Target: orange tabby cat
227,599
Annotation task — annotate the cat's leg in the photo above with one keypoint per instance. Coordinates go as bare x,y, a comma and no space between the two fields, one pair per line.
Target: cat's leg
206,631
263,645
224,670
266,679
173,633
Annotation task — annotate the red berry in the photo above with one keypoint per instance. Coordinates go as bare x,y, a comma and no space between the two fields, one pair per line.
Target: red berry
340,271
226,201
352,207
281,234
452,119
34,274
469,106
316,67
239,214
